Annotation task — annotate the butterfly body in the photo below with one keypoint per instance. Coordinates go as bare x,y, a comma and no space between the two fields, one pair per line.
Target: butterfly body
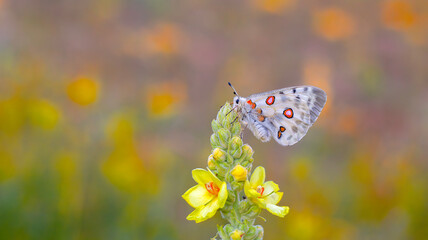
284,114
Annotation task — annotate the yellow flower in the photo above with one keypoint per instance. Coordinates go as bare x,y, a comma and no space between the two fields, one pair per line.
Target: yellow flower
264,194
209,195
237,235
239,173
83,91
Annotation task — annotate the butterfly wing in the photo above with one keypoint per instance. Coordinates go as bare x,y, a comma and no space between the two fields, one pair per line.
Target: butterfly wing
288,113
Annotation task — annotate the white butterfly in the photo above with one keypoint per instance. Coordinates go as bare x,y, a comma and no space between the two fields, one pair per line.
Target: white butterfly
285,114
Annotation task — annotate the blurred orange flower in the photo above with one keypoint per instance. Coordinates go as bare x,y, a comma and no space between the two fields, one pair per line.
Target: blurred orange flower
273,6
164,99
333,23
83,90
164,38
317,72
398,15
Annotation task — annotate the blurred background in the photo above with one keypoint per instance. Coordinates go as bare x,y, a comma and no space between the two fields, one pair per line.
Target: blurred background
106,107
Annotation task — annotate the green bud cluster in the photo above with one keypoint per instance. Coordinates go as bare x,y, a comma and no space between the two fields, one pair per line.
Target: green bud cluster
229,152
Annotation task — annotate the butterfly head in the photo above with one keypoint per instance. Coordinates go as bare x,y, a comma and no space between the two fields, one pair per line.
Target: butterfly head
238,101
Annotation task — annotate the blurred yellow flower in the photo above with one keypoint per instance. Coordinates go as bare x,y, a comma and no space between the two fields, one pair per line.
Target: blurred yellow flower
12,117
69,183
273,6
163,38
83,90
43,114
125,169
333,23
7,166
398,15
207,197
120,130
163,100
264,194
301,169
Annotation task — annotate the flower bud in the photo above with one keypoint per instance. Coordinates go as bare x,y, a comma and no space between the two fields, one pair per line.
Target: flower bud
260,232
223,136
251,233
215,125
222,168
214,141
237,234
237,186
220,115
239,173
219,155
253,212
235,143
211,162
228,229
248,151
236,129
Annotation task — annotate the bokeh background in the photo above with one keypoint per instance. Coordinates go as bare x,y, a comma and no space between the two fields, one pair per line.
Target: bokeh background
106,105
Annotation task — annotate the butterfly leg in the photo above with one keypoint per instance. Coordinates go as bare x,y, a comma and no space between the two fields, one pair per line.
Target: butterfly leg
231,111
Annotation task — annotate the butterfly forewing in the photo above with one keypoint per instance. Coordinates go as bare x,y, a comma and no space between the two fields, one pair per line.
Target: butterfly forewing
286,113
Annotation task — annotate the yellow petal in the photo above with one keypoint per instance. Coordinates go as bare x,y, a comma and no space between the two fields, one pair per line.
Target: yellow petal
202,177
204,212
258,177
222,195
274,198
197,196
269,188
276,210
247,187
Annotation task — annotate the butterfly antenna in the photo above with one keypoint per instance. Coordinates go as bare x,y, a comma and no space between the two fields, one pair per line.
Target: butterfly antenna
234,91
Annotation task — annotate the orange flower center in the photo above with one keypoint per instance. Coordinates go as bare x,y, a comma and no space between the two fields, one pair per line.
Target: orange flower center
212,188
260,190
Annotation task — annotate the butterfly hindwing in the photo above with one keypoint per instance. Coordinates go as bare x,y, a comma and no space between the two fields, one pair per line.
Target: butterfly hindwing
286,113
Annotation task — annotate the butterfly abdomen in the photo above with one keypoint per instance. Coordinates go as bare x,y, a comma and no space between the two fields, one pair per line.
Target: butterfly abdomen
261,132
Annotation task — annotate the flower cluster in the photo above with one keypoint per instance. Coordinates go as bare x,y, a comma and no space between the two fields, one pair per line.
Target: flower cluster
225,187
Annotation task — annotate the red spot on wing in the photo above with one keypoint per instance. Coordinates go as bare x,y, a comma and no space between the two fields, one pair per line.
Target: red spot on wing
253,105
288,113
270,100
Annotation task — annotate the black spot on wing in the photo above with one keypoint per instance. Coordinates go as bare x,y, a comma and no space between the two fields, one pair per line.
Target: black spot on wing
294,128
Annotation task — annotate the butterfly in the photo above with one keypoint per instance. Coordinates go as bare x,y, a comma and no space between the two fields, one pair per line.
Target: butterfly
285,114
